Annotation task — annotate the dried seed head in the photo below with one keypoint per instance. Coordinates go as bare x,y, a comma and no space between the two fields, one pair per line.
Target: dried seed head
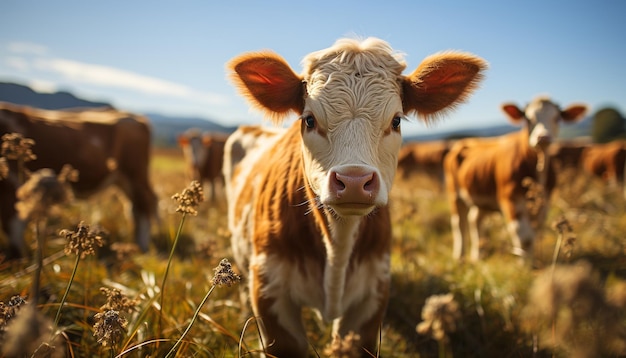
28,335
189,199
564,228
224,275
16,147
569,310
116,301
9,310
68,174
82,241
40,193
109,328
535,196
346,347
439,316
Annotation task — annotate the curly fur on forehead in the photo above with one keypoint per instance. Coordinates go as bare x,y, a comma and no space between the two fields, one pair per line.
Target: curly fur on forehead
353,55
354,78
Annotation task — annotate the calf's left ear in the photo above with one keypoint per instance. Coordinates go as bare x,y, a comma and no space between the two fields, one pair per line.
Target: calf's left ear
441,82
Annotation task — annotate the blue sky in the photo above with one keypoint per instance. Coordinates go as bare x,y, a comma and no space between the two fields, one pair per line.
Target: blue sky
169,56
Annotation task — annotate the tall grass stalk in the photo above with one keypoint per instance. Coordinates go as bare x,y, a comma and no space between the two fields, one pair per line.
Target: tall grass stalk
167,268
174,349
67,290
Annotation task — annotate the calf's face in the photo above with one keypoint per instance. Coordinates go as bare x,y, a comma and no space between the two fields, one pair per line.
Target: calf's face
351,132
543,118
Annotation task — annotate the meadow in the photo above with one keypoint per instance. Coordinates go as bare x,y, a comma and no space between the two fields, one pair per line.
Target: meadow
571,303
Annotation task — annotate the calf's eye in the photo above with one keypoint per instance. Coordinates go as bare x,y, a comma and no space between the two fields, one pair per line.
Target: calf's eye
309,121
395,122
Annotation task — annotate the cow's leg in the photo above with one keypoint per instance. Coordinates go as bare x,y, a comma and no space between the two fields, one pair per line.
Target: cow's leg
474,219
283,336
520,227
16,229
144,203
10,223
458,223
355,320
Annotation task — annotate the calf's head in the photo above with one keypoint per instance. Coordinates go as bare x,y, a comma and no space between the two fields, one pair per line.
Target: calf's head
542,117
351,99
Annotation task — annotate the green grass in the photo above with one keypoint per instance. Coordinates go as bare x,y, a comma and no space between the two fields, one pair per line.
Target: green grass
493,295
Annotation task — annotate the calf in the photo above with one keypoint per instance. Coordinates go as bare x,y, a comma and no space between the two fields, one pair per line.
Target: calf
606,161
310,223
204,155
423,157
487,175
106,146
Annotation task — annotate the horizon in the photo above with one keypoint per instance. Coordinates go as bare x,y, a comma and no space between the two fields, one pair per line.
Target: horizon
169,58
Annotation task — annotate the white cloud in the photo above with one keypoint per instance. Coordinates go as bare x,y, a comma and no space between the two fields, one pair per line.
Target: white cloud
43,86
27,48
17,63
112,77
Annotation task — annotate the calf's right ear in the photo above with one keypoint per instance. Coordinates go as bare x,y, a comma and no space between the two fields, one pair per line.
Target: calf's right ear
513,112
268,83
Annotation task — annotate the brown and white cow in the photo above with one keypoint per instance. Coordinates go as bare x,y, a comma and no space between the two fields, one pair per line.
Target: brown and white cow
204,155
423,158
310,219
606,161
106,146
487,175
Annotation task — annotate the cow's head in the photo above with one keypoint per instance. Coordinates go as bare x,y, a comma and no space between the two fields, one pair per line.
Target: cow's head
191,143
351,99
542,118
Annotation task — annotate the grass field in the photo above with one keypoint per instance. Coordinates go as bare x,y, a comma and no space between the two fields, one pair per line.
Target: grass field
569,307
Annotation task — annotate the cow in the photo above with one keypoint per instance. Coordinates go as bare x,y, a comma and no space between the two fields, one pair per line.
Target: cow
488,175
423,158
606,161
568,154
204,155
309,217
106,147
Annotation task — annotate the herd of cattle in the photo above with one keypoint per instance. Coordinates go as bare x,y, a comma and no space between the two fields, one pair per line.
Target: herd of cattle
307,205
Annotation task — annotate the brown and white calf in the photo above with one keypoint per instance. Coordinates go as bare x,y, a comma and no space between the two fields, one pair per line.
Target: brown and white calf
606,161
106,146
204,155
309,219
487,175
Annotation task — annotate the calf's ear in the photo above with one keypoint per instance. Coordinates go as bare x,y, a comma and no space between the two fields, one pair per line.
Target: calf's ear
440,83
513,112
573,113
268,83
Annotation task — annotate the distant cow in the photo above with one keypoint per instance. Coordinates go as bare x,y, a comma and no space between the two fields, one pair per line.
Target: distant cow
309,216
606,161
568,154
204,155
487,175
424,158
106,146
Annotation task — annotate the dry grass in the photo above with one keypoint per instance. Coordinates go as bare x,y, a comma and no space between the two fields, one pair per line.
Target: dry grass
493,299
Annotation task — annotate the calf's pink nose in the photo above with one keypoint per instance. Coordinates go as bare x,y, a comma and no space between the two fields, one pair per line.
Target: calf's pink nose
354,186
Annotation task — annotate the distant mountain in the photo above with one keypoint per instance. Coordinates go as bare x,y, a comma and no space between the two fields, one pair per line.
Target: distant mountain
164,128
23,95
